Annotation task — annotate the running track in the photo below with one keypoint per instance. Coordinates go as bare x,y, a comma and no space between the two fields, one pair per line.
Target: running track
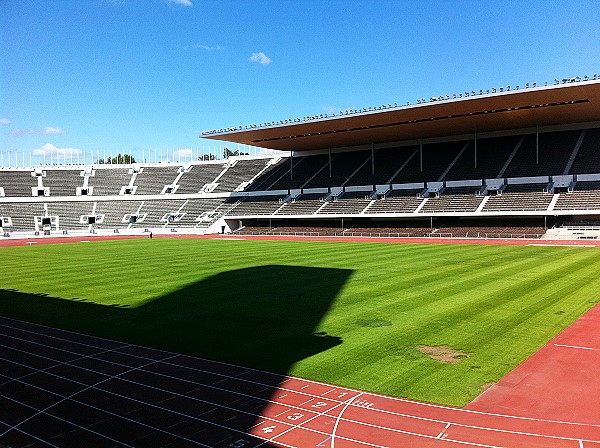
5,242
63,389
59,388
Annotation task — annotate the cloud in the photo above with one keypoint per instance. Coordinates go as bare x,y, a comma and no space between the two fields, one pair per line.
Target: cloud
45,131
260,58
181,2
205,47
52,131
5,121
49,148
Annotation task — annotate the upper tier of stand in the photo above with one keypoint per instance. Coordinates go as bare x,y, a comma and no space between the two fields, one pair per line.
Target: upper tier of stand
561,153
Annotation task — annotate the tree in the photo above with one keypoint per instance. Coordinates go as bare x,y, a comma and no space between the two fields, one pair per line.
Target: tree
119,159
229,153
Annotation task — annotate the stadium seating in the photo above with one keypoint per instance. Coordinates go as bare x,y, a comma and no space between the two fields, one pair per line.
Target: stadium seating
555,149
588,156
71,213
62,182
17,183
352,203
108,181
512,175
22,214
306,204
152,180
114,212
585,196
530,197
235,176
193,180
458,199
398,201
257,205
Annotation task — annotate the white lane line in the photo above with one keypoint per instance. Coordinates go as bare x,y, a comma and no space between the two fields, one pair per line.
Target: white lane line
577,347
338,418
281,413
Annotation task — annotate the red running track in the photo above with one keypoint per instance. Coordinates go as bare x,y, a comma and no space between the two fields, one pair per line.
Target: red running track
481,241
309,414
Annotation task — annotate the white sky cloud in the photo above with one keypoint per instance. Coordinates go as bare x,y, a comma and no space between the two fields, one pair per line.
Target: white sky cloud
181,2
52,131
260,58
48,130
5,121
206,47
49,148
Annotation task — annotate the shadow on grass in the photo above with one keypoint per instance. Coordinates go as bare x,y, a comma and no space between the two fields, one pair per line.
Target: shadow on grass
264,317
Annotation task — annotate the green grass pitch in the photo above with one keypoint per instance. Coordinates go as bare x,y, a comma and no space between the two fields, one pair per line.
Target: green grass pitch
351,314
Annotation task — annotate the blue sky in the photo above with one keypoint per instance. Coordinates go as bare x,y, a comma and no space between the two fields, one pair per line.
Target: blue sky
127,75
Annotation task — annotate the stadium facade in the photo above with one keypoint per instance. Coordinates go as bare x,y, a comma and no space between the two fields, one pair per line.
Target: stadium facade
511,162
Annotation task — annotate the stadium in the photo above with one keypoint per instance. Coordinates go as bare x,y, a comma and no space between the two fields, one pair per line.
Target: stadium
446,167
398,275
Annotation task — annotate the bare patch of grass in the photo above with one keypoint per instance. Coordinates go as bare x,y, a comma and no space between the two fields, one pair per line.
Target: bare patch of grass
442,353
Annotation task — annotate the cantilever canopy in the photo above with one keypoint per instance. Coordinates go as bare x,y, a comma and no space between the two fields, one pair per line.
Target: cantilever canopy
576,102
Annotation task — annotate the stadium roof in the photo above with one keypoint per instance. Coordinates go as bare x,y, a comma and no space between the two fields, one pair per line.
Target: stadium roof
573,102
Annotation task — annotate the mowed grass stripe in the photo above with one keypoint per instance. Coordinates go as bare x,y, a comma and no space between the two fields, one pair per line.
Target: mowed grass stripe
346,313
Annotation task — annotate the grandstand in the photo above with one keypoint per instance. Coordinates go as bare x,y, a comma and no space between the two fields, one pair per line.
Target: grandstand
513,163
